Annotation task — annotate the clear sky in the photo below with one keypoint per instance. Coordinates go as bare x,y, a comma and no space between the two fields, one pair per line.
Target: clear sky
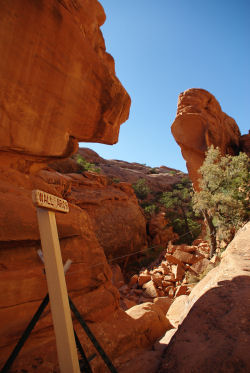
163,47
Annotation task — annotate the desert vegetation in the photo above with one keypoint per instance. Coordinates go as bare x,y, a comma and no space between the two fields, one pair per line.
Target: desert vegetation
223,198
85,165
176,204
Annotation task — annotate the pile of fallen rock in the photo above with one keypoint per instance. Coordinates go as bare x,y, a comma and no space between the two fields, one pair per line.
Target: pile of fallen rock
175,274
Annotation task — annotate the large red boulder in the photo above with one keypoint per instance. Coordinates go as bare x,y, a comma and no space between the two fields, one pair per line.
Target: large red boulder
58,84
200,123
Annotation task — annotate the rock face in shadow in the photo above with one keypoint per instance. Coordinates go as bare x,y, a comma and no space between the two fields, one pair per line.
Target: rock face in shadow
58,87
215,333
200,123
58,84
245,144
116,217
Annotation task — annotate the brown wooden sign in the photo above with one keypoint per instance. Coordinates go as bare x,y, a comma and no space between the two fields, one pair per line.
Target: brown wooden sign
46,205
49,201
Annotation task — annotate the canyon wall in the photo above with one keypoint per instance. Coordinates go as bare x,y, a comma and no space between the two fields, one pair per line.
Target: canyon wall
200,123
58,87
58,83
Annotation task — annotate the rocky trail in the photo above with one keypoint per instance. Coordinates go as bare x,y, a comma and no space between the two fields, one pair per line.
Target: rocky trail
209,328
169,276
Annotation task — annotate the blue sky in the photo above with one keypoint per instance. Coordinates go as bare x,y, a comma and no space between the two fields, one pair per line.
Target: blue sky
164,47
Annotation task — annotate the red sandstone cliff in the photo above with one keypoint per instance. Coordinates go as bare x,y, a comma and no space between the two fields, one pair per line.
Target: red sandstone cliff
200,123
58,87
58,84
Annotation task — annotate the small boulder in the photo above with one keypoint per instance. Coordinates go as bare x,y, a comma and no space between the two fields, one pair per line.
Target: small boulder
178,272
133,280
186,248
165,284
143,279
200,266
171,259
150,289
170,291
165,267
181,290
160,293
157,279
170,278
184,257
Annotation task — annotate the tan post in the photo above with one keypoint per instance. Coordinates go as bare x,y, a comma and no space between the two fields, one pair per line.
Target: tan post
58,295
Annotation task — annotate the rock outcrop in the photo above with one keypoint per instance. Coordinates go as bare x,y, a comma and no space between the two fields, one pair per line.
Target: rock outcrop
245,144
58,87
58,84
214,331
200,123
159,179
110,200
116,217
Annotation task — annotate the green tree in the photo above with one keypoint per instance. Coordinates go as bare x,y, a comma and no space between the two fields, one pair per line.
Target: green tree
223,197
179,211
141,189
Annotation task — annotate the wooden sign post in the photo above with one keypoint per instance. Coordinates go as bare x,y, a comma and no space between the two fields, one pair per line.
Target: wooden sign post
46,205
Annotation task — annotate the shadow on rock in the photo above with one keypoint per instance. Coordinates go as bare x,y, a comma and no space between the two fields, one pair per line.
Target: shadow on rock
215,335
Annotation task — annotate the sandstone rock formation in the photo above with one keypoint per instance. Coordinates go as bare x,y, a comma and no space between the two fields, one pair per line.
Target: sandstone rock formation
200,123
59,87
117,220
58,84
159,231
214,334
245,143
159,179
113,193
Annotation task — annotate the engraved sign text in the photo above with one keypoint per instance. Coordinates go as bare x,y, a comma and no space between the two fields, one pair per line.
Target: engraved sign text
49,201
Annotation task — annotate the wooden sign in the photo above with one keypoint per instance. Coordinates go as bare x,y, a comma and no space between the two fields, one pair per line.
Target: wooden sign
46,200
58,295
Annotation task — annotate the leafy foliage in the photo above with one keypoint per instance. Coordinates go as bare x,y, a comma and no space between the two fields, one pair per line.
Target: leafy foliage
141,189
150,209
86,166
179,211
224,195
116,180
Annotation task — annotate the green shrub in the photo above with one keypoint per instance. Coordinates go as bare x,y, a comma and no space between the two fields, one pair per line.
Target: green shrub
141,189
179,211
223,198
151,209
115,180
86,166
